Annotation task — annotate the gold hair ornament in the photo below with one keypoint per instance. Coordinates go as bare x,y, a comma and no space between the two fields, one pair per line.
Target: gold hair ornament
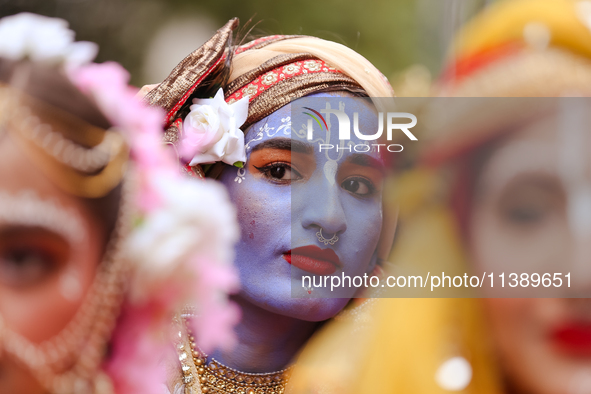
86,164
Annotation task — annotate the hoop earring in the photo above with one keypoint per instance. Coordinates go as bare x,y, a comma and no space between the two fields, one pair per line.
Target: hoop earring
325,241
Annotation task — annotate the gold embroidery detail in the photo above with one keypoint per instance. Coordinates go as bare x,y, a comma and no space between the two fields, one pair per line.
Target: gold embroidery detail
250,90
269,78
216,378
312,65
291,69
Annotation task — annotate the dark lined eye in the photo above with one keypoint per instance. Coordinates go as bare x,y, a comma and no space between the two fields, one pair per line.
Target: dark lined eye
279,172
530,201
23,266
358,186
28,256
524,214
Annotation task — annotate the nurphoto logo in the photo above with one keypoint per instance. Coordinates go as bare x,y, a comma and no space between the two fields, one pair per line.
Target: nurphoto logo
392,124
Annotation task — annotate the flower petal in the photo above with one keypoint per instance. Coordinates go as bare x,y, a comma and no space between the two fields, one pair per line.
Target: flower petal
204,158
82,52
235,148
240,109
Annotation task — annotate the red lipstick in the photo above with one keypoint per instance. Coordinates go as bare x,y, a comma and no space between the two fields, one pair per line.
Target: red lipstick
573,339
313,259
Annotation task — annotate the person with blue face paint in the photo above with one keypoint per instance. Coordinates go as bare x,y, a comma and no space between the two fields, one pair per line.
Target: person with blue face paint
303,211
291,193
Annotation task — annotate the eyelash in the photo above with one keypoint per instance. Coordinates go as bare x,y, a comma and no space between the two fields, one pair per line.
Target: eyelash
370,186
266,171
27,264
31,254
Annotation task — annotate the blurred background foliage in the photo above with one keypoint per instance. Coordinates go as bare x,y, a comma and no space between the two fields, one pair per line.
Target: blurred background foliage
406,39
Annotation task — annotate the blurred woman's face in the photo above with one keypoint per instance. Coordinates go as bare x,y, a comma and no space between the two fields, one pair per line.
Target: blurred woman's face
532,213
50,247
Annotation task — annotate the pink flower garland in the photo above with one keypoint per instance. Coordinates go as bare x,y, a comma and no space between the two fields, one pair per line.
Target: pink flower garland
178,271
142,125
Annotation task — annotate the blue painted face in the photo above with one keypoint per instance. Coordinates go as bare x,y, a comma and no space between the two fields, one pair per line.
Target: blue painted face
292,199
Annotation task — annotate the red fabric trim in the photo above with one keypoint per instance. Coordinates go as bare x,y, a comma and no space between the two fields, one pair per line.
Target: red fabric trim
178,124
190,171
259,85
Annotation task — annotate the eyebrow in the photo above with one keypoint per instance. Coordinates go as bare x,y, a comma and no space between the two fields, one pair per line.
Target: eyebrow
285,144
366,161
27,209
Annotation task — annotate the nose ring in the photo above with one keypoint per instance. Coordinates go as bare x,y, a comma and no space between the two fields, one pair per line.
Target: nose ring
325,241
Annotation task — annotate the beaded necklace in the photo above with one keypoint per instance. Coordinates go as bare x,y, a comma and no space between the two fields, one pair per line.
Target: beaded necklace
203,374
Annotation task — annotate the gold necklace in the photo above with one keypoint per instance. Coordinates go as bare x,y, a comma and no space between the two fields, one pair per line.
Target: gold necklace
216,378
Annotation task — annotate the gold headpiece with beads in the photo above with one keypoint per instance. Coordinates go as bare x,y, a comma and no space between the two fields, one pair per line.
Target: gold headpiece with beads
86,164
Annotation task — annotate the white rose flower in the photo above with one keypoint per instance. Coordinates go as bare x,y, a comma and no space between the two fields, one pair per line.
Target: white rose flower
201,129
211,131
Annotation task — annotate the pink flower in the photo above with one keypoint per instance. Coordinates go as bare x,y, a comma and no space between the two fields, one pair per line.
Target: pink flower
183,253
213,326
216,316
142,125
181,249
139,349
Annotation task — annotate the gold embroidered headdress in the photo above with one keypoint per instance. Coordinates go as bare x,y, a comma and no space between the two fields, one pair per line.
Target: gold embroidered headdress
271,71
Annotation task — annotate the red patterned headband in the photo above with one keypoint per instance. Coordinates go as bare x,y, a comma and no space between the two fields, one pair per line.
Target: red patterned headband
279,74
